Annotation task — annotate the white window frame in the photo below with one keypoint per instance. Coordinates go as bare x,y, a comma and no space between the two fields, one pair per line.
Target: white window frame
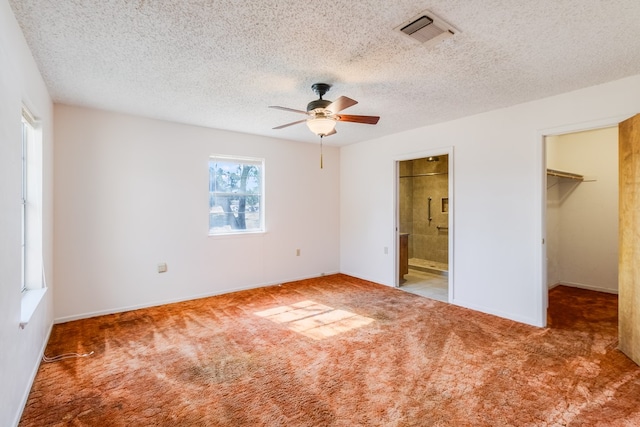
32,282
218,210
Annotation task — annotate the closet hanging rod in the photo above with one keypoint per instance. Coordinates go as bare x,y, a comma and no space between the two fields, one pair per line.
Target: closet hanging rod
424,174
562,174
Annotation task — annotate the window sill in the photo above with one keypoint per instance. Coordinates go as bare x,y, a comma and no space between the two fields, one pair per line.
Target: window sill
30,300
238,234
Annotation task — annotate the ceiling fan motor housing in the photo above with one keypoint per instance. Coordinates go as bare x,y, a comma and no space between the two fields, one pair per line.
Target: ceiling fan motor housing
318,103
320,89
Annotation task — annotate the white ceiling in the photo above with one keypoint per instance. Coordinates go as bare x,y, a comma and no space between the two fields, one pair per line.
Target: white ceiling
220,63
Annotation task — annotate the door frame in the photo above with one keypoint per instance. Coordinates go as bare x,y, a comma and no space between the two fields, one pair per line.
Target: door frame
442,151
541,255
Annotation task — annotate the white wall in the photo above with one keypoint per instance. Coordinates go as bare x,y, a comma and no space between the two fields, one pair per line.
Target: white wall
585,235
554,200
20,83
498,201
133,192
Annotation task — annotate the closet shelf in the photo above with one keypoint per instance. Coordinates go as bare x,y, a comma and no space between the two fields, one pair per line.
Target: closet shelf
562,174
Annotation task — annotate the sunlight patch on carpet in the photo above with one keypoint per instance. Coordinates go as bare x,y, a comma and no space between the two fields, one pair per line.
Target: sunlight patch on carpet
315,320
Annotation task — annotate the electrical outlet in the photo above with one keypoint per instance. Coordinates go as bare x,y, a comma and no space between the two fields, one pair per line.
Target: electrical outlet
386,250
162,267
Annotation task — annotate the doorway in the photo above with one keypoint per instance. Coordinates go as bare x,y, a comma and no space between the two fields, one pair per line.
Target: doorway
582,209
423,222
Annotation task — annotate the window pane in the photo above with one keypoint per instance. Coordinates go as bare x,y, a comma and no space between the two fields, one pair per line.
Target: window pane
235,195
32,271
23,201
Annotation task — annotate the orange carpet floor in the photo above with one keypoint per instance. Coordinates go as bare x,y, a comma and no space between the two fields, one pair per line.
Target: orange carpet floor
338,351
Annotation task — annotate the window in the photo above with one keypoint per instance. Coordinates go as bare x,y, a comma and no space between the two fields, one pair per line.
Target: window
31,205
32,283
236,201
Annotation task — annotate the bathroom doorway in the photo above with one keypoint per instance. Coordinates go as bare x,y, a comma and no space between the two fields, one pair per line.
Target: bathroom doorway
424,211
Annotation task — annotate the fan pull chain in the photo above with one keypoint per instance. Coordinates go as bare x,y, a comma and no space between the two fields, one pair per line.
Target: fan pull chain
321,151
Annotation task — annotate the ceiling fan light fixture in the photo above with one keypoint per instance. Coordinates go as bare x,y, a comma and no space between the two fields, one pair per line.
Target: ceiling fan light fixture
323,114
321,126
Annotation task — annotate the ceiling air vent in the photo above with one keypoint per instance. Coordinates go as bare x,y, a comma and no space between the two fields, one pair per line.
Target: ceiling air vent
427,28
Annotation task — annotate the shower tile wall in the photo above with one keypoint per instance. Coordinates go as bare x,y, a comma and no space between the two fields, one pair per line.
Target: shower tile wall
425,240
406,195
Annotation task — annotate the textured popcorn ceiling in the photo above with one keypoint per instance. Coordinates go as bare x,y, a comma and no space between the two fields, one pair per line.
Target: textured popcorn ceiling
220,63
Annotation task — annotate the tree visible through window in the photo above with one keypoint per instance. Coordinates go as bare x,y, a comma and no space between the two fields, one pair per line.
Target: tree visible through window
235,195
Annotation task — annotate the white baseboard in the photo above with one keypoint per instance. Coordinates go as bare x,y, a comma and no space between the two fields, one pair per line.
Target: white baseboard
587,287
503,314
88,315
32,377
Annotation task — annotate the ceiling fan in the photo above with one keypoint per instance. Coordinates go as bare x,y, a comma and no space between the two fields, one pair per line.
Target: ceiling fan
323,114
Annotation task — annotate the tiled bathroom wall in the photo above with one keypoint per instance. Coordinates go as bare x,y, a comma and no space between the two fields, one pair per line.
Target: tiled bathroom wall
419,180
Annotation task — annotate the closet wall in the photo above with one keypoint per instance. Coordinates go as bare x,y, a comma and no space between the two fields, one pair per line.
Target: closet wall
582,216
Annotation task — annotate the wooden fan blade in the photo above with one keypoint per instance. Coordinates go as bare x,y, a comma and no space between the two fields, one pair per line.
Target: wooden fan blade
369,120
340,104
290,124
287,109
